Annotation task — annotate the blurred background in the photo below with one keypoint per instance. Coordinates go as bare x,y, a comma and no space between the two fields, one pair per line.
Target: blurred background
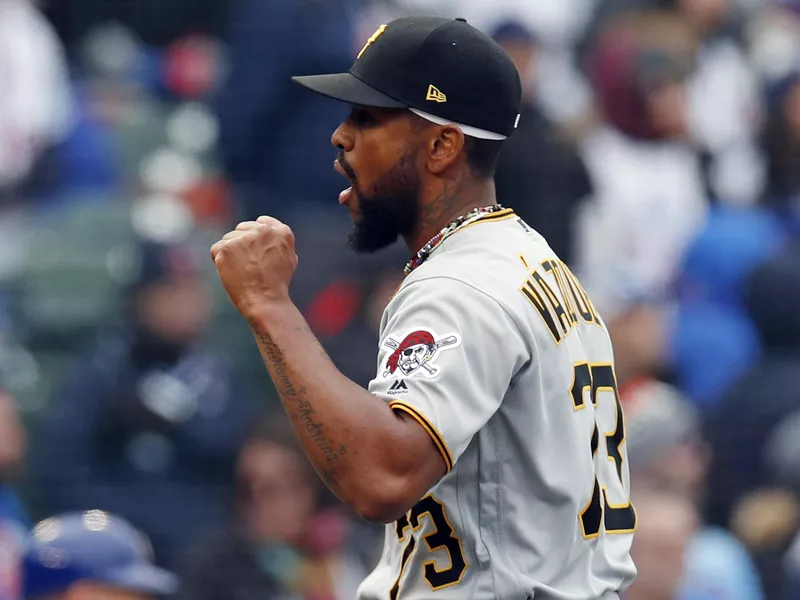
659,153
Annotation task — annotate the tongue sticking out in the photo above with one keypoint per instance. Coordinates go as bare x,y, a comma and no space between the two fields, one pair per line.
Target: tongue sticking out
344,196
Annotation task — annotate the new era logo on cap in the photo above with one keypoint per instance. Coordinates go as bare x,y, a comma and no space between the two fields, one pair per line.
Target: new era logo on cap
477,85
435,95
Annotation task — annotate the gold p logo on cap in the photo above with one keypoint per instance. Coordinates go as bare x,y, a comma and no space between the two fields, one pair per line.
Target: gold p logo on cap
372,39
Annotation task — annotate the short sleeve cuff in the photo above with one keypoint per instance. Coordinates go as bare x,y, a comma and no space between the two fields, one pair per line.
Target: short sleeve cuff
436,436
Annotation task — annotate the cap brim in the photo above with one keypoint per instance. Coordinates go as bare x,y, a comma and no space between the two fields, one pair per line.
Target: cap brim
346,87
145,579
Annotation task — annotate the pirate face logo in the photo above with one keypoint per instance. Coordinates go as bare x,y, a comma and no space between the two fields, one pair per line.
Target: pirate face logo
415,353
413,358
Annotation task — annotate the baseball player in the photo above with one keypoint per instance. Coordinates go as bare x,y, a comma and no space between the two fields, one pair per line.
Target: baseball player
491,440
91,556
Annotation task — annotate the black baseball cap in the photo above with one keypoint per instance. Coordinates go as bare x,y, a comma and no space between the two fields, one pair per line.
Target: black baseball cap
444,70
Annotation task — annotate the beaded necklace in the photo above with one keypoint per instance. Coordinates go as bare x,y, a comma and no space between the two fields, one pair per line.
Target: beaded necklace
448,230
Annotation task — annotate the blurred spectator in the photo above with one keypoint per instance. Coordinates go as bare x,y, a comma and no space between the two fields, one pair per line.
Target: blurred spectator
736,267
91,555
773,39
35,115
665,443
753,483
667,523
777,275
765,520
14,522
155,22
722,103
668,455
556,24
149,422
792,591
286,541
649,195
539,173
782,146
35,107
778,326
275,140
714,337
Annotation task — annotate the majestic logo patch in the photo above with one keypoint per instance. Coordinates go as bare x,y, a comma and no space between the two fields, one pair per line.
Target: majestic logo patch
398,387
416,352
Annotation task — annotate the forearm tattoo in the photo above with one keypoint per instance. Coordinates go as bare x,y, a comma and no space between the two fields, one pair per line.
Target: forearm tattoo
296,402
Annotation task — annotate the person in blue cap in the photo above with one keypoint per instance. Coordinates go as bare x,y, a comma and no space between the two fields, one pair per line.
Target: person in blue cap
91,555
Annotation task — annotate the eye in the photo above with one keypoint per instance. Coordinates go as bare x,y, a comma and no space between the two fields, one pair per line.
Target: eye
362,117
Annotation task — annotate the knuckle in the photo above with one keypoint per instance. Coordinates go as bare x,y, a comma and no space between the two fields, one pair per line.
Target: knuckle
265,220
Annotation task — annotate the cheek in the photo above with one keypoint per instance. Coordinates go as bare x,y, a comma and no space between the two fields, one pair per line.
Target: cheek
367,171
377,153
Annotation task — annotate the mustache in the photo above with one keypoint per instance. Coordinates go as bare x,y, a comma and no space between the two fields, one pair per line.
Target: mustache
346,166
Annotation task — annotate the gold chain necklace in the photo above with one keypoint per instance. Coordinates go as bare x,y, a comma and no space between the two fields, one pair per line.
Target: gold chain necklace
422,255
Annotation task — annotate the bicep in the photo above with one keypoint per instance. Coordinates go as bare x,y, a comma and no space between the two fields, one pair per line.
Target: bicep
422,455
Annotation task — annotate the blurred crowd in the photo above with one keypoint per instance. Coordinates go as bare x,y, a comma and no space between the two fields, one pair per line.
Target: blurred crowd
658,152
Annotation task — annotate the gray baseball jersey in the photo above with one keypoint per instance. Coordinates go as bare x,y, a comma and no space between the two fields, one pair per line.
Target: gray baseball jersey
494,347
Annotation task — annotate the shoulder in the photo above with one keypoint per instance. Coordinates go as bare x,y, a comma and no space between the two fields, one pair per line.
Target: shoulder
442,292
491,258
445,306
443,324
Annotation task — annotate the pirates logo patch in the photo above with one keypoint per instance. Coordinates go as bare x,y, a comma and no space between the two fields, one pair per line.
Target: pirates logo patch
416,353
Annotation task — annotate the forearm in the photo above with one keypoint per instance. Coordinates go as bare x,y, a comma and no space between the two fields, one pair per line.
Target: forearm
353,439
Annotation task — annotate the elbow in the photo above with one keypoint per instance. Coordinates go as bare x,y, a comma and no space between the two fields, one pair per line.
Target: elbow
378,513
384,501
388,485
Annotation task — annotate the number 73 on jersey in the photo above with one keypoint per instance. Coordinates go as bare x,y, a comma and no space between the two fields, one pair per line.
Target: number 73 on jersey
616,518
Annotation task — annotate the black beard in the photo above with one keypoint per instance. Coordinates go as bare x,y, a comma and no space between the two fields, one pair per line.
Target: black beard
390,211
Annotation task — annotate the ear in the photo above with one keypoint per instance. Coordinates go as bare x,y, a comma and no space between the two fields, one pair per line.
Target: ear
445,149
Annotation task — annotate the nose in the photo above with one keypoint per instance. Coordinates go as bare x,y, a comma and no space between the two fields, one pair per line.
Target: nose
342,138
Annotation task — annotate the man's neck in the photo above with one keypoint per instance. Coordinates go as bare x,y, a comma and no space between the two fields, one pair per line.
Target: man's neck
452,197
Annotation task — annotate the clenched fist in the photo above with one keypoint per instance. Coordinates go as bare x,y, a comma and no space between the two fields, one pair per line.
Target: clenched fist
255,263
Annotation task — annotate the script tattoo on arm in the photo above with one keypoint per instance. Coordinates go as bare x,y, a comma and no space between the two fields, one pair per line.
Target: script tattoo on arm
377,462
295,400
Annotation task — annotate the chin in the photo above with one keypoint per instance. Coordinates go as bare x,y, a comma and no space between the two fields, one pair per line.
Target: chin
366,241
